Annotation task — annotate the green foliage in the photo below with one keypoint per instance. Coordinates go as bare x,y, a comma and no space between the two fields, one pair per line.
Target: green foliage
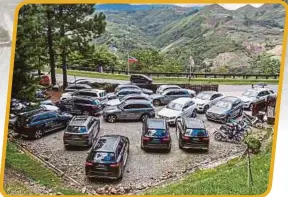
253,144
265,64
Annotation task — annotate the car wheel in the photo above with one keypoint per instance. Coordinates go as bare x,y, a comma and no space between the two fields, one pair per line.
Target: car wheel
180,144
225,120
251,106
142,147
111,118
38,134
206,108
144,117
168,149
194,114
218,137
240,112
121,173
156,102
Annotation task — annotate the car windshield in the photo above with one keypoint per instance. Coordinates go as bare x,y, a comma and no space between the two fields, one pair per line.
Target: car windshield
156,133
76,129
175,106
102,157
196,132
204,96
223,104
250,93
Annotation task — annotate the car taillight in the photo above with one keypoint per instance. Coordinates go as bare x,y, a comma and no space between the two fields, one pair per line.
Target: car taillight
94,107
166,139
85,136
146,138
186,138
88,164
205,138
115,165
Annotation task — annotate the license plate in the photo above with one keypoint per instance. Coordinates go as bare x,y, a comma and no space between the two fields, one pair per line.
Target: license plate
195,139
156,140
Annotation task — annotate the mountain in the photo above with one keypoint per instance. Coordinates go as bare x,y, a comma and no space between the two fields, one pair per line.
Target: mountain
213,35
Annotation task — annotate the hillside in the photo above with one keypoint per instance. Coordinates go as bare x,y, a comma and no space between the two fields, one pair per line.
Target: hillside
214,36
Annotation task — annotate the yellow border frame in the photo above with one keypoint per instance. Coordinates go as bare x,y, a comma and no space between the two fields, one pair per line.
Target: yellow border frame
143,2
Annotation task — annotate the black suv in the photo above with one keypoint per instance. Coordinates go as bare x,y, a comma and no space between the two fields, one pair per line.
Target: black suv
80,106
140,79
108,157
192,134
81,131
155,135
36,123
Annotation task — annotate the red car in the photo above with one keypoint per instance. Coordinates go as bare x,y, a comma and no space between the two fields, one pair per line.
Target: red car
45,80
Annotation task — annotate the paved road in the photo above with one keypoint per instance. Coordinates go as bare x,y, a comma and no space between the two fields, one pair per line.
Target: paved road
237,89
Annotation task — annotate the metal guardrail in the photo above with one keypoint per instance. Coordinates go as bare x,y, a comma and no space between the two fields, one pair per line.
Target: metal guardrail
182,74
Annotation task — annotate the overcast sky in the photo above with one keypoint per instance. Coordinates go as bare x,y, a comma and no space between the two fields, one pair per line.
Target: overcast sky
227,6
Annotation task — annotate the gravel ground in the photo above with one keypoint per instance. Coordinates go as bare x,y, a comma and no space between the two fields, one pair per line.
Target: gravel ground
144,169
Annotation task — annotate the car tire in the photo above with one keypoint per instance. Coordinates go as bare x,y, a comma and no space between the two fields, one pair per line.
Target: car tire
194,114
180,145
251,106
169,149
225,120
240,112
111,119
121,173
156,102
206,107
38,134
218,137
144,117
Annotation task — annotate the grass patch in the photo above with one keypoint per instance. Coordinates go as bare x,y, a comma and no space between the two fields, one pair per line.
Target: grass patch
17,188
172,80
227,179
35,170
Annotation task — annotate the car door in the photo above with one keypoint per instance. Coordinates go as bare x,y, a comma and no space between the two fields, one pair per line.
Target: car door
188,109
214,98
78,106
236,107
169,96
125,111
135,111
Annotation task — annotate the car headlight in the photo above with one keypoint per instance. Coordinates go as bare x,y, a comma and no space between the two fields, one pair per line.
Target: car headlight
200,104
222,115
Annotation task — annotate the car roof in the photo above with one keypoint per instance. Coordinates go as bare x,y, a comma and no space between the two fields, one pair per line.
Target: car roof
256,89
156,123
137,102
130,89
193,123
83,98
128,85
230,98
80,120
110,144
136,95
79,85
92,90
167,86
182,100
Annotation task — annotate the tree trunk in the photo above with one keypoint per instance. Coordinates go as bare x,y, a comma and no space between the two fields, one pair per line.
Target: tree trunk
63,53
50,45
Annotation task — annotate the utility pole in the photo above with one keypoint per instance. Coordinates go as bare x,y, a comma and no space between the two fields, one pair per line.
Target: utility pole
128,38
191,63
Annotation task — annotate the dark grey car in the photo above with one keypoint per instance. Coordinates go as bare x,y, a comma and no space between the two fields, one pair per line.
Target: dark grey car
170,95
81,131
132,86
225,109
122,93
129,110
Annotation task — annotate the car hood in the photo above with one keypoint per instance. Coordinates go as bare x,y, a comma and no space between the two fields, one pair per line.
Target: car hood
146,91
217,110
50,107
169,113
113,102
154,96
112,108
199,101
247,99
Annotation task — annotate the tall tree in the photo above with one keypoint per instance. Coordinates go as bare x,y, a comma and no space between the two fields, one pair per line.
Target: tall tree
79,25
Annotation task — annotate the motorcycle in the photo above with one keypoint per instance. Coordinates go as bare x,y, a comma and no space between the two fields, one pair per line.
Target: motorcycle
225,136
253,121
240,126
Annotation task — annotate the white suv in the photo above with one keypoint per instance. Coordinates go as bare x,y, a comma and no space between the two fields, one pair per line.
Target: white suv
90,93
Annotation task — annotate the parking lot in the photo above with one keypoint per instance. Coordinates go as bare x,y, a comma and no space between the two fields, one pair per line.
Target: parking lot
144,169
